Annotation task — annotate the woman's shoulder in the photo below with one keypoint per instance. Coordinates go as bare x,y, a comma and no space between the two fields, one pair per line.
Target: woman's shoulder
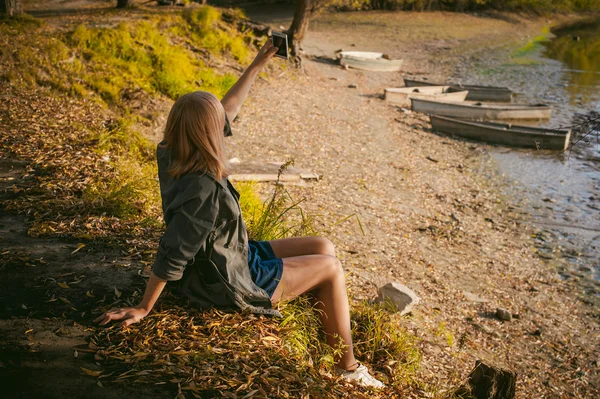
200,181
192,187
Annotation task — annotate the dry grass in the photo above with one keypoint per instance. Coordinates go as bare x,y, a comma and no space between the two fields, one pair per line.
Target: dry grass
228,354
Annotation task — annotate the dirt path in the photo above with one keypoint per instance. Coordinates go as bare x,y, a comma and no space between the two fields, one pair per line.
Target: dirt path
433,219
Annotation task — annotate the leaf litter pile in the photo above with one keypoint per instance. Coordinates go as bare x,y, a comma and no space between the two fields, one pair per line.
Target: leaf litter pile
230,354
59,140
89,177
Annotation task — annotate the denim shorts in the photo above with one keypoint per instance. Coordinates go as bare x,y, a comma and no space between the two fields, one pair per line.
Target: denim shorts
265,268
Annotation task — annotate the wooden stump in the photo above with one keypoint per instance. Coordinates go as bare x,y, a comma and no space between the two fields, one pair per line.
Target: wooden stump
488,382
125,3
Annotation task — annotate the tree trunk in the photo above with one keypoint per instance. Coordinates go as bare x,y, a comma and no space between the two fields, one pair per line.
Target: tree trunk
124,3
12,7
299,27
489,382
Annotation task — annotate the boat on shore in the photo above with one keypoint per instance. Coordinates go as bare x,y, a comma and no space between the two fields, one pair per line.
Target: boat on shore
482,112
369,61
476,93
505,134
401,96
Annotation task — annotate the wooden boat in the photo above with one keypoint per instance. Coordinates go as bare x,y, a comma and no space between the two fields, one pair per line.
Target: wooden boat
501,133
369,61
401,96
481,111
476,93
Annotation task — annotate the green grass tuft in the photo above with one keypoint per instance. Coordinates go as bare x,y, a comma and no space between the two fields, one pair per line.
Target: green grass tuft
279,217
207,32
130,188
380,340
533,46
21,22
302,334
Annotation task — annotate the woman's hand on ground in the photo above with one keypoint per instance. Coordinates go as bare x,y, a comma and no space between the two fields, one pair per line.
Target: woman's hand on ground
265,53
128,315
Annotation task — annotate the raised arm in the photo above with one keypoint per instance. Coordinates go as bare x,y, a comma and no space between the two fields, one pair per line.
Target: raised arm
233,100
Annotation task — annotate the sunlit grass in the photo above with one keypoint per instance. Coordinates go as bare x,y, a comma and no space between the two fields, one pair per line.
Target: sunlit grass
533,46
211,352
159,53
278,217
381,340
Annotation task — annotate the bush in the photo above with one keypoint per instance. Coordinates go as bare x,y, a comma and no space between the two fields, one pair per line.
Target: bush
538,6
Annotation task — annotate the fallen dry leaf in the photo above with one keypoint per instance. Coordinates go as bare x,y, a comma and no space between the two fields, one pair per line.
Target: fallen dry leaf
79,246
91,373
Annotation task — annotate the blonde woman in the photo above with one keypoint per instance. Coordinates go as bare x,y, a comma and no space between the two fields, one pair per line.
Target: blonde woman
205,247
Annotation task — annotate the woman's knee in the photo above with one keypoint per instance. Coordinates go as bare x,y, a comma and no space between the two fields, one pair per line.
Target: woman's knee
333,267
325,246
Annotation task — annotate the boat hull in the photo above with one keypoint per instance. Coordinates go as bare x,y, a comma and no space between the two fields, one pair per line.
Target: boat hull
482,112
476,93
509,135
401,96
368,61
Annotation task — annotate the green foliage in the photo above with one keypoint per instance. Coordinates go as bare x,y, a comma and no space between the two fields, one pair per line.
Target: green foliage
442,330
538,6
533,45
130,188
250,202
140,55
279,217
43,62
208,32
203,19
303,336
379,339
157,53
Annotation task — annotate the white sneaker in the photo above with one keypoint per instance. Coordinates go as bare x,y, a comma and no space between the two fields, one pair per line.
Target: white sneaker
360,376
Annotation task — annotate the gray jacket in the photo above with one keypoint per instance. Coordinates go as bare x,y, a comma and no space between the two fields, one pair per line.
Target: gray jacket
205,245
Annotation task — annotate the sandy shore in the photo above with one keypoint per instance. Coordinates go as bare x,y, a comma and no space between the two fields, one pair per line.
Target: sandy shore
433,218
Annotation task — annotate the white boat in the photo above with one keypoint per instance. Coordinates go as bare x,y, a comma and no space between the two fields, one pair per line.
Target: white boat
505,134
402,95
476,93
369,61
481,111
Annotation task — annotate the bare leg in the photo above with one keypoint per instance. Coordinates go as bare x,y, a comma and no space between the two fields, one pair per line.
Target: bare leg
298,246
306,270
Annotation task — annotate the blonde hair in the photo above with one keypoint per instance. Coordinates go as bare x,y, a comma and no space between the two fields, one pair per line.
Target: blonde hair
194,134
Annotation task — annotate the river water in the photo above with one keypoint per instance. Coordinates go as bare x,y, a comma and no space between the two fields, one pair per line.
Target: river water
560,190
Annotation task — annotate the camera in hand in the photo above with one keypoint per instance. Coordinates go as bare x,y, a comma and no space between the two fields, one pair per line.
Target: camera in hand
280,41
